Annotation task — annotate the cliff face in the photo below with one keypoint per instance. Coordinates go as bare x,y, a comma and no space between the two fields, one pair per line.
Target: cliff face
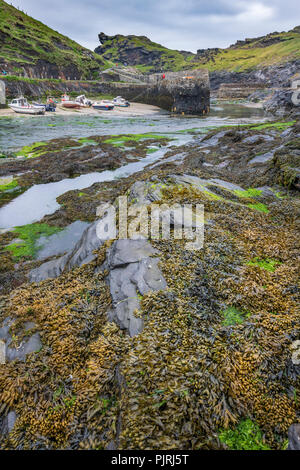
28,47
249,54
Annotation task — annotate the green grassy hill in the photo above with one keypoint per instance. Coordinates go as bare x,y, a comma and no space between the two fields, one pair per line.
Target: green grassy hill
274,48
27,45
141,52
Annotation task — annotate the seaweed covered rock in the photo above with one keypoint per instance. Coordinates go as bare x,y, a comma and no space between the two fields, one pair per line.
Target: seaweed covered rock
133,272
211,360
22,344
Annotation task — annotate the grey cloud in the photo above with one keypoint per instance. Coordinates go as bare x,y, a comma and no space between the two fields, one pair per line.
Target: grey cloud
178,24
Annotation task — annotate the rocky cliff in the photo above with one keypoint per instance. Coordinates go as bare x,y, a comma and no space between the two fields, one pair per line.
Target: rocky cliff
249,54
141,52
30,48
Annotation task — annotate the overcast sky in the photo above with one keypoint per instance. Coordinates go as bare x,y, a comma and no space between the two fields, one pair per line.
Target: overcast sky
177,24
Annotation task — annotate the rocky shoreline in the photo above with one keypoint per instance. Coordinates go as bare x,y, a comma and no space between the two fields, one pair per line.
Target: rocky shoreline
139,344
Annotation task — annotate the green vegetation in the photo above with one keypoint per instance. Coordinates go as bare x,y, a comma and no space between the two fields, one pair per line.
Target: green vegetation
259,206
250,192
152,150
281,126
32,151
168,59
86,140
268,264
246,436
29,234
8,186
25,41
119,140
280,48
232,316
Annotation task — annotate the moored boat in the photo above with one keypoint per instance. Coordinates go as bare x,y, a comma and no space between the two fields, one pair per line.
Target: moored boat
67,103
83,101
21,105
121,102
103,105
50,106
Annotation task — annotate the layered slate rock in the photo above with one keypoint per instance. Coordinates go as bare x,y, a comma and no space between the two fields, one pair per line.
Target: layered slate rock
294,437
133,272
81,254
7,422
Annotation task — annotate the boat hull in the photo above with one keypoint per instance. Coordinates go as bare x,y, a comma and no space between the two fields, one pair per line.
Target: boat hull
29,110
103,107
71,105
122,105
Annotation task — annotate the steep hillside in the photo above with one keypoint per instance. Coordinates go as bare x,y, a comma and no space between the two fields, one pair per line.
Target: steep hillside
142,53
28,46
272,49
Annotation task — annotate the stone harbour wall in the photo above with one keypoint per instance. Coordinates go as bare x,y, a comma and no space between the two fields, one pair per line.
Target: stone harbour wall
2,94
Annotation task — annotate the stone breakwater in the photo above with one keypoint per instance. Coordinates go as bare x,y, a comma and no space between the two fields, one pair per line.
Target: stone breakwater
2,94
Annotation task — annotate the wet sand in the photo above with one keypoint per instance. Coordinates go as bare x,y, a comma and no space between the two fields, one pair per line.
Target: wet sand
135,109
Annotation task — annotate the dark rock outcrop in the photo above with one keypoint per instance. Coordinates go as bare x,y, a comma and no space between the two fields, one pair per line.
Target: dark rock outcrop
281,102
27,344
133,272
279,75
81,254
294,437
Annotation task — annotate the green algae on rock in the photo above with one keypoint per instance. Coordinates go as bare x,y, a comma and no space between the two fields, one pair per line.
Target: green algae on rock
246,436
28,235
268,264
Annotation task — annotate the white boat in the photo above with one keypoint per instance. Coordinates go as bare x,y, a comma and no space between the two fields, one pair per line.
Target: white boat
104,105
21,105
83,101
121,102
67,103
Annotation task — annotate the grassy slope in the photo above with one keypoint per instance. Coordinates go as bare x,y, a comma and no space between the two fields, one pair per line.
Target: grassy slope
237,58
24,41
173,59
252,56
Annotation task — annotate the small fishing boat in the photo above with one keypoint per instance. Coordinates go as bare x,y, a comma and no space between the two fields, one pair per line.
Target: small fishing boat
83,101
21,105
121,102
103,105
67,103
50,106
